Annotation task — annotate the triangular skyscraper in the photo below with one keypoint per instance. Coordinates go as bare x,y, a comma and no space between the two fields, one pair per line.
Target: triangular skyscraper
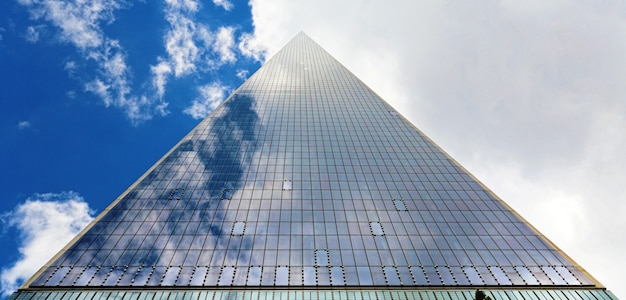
304,184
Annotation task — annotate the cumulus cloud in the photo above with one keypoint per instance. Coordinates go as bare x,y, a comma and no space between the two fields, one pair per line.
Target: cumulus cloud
32,34
191,46
180,45
183,5
71,67
224,42
99,88
227,5
45,223
250,45
211,95
242,74
79,24
160,72
78,20
528,97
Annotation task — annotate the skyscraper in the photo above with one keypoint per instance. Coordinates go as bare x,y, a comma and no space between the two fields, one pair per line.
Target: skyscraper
304,184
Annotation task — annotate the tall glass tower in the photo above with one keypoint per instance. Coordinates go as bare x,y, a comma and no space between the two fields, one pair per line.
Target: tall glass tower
304,184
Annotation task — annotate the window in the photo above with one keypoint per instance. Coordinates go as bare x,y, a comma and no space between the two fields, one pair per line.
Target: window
377,228
238,228
287,185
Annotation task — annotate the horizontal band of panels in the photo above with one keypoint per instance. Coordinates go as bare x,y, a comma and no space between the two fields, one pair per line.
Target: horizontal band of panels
591,294
322,274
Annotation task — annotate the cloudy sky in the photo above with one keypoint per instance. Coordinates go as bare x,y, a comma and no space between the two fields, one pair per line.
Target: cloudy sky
530,96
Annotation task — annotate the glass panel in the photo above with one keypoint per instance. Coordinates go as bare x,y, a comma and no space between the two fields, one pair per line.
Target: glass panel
460,276
226,278
391,275
142,276
197,279
321,257
473,276
184,277
323,276
553,275
282,276
56,278
170,276
337,277
227,194
238,228
310,276
399,204
71,276
376,228
365,277
254,276
420,277
500,276
432,275
528,277
287,185
565,273
86,276
446,276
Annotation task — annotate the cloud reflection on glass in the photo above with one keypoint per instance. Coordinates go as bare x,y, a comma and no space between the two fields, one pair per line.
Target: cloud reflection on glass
303,177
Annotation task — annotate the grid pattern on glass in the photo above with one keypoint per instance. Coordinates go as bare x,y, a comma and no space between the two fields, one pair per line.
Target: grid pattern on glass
303,116
377,228
457,294
287,185
399,203
239,228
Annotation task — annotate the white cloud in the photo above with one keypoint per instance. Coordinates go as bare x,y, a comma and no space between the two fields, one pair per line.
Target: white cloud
78,20
180,44
224,44
23,125
243,74
70,66
115,66
32,34
211,95
160,72
46,223
99,88
191,46
204,36
187,5
251,46
80,23
227,5
527,97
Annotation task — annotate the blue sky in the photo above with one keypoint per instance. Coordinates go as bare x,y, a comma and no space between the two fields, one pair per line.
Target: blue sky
528,96
93,94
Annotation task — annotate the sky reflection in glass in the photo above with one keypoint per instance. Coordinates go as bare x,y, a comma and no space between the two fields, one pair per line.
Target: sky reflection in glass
305,177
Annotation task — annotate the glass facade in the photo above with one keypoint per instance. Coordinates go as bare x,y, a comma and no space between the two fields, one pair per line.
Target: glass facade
304,177
456,294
